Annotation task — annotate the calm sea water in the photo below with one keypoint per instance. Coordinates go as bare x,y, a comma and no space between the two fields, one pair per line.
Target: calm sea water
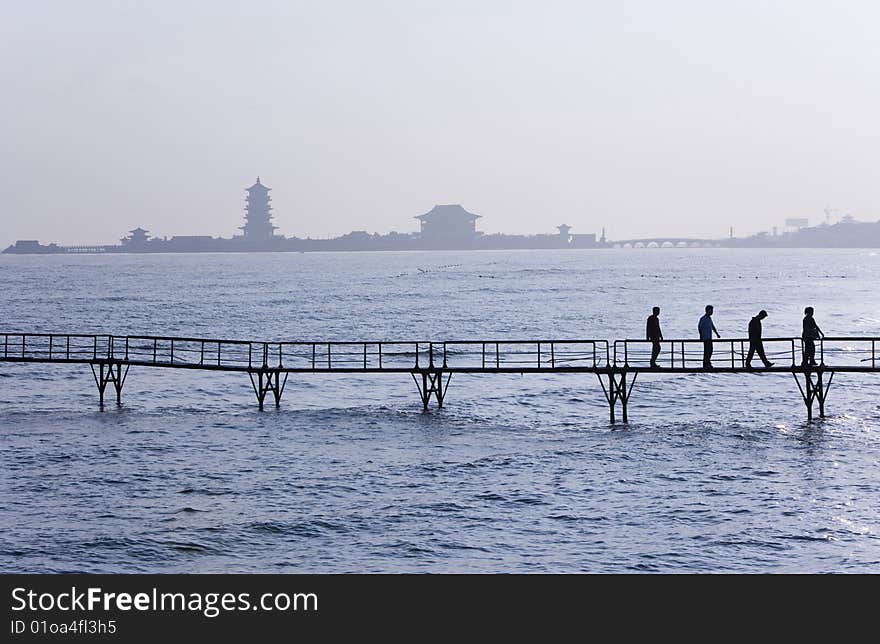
516,473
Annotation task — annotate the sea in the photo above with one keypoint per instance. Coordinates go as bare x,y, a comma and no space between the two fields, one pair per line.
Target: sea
714,473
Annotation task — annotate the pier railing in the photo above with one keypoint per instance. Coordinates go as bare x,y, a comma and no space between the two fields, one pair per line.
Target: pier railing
460,355
501,355
244,355
843,353
431,364
55,347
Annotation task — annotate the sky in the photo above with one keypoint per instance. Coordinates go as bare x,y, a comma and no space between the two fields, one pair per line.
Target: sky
646,118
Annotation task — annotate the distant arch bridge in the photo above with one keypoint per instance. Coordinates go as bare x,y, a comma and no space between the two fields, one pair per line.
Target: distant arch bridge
666,242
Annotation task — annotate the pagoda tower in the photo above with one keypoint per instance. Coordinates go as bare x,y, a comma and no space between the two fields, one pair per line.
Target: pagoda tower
258,213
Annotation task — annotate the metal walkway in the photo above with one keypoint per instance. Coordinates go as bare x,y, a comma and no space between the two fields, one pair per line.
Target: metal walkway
432,364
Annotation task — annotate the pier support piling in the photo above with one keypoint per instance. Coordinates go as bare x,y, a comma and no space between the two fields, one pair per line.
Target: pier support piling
815,389
268,380
106,373
618,391
432,385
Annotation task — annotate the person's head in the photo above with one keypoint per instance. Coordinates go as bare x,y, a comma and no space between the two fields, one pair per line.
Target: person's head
762,314
710,309
656,310
808,311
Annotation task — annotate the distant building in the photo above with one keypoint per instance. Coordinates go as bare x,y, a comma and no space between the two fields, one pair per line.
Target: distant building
448,224
584,240
33,247
136,238
258,214
564,230
848,233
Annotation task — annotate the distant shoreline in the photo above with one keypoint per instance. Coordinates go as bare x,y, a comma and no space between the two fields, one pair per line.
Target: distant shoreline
611,246
848,233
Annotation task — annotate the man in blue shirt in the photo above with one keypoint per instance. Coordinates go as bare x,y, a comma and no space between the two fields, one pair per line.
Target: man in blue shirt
706,328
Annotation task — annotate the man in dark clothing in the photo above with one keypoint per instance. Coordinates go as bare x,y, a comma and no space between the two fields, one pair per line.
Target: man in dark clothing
811,333
654,334
756,345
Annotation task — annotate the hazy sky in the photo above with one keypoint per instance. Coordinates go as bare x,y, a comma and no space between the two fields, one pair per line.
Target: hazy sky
645,117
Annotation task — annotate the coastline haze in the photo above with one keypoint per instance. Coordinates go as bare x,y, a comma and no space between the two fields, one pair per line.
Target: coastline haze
648,120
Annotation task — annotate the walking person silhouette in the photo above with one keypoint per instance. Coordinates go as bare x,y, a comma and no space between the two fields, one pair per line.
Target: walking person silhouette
706,328
810,334
756,345
654,334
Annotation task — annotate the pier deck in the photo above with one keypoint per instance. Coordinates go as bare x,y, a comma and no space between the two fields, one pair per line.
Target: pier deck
431,364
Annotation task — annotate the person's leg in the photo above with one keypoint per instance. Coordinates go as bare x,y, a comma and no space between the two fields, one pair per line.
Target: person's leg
707,352
655,351
762,355
809,352
751,354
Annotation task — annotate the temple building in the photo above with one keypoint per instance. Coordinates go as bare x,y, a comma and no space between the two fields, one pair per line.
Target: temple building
448,224
258,213
137,238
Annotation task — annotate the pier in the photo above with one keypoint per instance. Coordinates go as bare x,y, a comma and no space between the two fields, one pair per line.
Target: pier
431,364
